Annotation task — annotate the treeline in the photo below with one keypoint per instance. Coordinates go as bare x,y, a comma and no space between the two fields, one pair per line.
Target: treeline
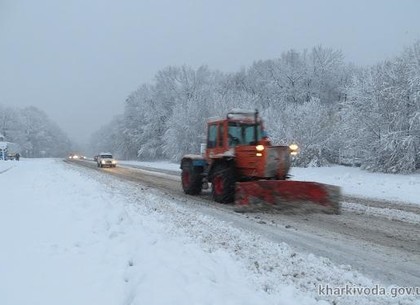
335,112
34,132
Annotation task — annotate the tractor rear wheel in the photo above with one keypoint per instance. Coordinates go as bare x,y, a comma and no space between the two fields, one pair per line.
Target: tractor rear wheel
191,178
223,184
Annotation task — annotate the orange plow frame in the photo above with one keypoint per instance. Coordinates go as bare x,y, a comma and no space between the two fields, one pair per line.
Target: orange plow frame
282,194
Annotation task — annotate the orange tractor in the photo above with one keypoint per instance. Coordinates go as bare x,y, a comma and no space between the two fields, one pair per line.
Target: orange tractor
243,167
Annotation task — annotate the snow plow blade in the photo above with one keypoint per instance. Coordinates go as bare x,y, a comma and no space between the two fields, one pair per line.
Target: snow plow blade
298,196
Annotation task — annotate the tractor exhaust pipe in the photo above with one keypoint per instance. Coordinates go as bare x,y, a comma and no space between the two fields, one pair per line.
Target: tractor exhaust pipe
256,127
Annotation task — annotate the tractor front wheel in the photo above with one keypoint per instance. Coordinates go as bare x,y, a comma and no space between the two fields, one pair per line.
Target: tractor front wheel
223,184
191,178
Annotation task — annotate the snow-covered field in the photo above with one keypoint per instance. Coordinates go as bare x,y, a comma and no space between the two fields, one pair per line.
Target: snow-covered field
76,236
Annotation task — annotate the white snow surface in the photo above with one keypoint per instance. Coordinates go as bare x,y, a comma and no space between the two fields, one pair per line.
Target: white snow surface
75,236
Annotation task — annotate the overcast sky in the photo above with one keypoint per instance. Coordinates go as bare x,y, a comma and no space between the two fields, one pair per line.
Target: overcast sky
78,60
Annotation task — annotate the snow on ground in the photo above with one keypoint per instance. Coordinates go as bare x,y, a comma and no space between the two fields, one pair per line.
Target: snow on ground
76,236
352,180
360,183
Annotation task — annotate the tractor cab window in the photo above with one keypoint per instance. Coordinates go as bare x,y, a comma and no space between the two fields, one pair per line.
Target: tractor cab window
212,136
243,134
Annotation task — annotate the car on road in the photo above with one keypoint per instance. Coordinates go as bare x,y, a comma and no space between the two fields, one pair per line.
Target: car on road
77,156
106,160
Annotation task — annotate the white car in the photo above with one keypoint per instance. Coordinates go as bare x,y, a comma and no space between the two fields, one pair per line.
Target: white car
106,160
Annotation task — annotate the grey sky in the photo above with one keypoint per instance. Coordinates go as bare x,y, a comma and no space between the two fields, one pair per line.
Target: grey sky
78,60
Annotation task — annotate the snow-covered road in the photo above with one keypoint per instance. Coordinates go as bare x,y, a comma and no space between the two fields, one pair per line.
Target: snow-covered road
71,235
381,241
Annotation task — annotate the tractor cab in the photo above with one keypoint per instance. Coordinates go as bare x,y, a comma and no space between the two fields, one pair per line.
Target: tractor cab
239,128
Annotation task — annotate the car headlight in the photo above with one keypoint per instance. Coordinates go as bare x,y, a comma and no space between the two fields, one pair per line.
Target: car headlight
113,161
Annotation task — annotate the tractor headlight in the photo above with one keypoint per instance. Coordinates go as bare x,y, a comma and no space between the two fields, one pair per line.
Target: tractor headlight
260,148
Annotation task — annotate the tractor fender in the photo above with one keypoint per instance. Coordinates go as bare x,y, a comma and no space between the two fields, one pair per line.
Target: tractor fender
226,161
195,160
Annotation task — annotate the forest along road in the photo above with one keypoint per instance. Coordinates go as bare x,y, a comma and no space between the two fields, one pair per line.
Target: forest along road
385,249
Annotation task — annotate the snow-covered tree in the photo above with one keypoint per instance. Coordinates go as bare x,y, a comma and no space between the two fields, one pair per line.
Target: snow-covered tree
384,110
308,97
11,124
43,138
327,75
310,126
186,127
